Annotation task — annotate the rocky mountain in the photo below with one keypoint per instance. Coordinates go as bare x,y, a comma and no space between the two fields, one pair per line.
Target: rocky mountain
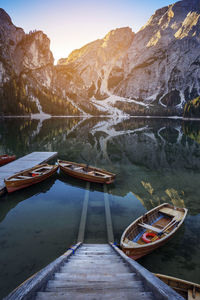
26,72
162,65
152,72
87,69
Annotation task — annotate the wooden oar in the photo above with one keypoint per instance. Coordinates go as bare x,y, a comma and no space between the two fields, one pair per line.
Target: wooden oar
176,221
168,226
172,221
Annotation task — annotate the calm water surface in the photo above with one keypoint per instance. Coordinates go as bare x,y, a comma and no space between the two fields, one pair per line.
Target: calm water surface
156,161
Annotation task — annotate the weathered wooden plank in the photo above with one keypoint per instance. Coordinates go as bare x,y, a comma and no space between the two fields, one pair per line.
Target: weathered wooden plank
96,260
101,269
93,264
96,246
95,277
82,225
95,253
110,258
94,249
54,285
90,255
97,295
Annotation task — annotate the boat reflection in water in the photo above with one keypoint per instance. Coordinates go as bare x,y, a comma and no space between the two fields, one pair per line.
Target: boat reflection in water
8,201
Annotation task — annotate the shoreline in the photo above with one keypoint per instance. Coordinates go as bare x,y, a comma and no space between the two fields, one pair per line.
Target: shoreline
104,116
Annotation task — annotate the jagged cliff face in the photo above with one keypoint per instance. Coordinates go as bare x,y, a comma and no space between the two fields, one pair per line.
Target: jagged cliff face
95,61
22,52
33,53
162,64
152,72
155,70
27,73
30,83
10,36
88,68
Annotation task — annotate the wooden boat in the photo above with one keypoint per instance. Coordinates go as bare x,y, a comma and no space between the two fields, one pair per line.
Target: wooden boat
5,159
84,172
187,289
152,230
29,177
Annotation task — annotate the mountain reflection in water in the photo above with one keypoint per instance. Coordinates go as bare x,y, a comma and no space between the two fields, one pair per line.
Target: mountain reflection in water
156,161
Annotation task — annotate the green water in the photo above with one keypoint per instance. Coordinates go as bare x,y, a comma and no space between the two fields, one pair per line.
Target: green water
157,161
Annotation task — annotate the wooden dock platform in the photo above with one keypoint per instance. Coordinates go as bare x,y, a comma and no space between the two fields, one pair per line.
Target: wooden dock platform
25,162
93,271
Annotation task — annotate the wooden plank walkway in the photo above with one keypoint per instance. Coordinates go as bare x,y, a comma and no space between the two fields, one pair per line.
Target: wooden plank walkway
93,271
109,226
83,220
81,234
25,162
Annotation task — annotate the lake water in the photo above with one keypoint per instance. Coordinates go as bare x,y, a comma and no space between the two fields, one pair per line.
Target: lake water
157,161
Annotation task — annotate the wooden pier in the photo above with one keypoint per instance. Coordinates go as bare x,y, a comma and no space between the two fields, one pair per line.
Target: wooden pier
25,162
93,271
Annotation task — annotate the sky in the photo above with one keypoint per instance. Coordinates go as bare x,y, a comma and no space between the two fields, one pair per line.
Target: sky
72,24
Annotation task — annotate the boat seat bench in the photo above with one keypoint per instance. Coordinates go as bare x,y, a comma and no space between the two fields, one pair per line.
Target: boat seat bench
38,173
24,177
77,168
43,168
147,226
47,168
169,212
102,174
131,243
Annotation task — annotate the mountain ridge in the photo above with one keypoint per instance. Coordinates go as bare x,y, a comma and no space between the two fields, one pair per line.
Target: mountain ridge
152,72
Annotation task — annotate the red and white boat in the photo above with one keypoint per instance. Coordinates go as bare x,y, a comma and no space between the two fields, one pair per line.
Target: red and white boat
5,159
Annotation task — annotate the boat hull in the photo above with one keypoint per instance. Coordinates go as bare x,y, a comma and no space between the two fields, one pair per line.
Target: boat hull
132,243
139,252
5,159
187,289
13,186
85,176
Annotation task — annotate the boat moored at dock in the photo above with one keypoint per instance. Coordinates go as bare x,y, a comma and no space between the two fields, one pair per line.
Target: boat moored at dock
85,172
5,159
152,230
29,177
